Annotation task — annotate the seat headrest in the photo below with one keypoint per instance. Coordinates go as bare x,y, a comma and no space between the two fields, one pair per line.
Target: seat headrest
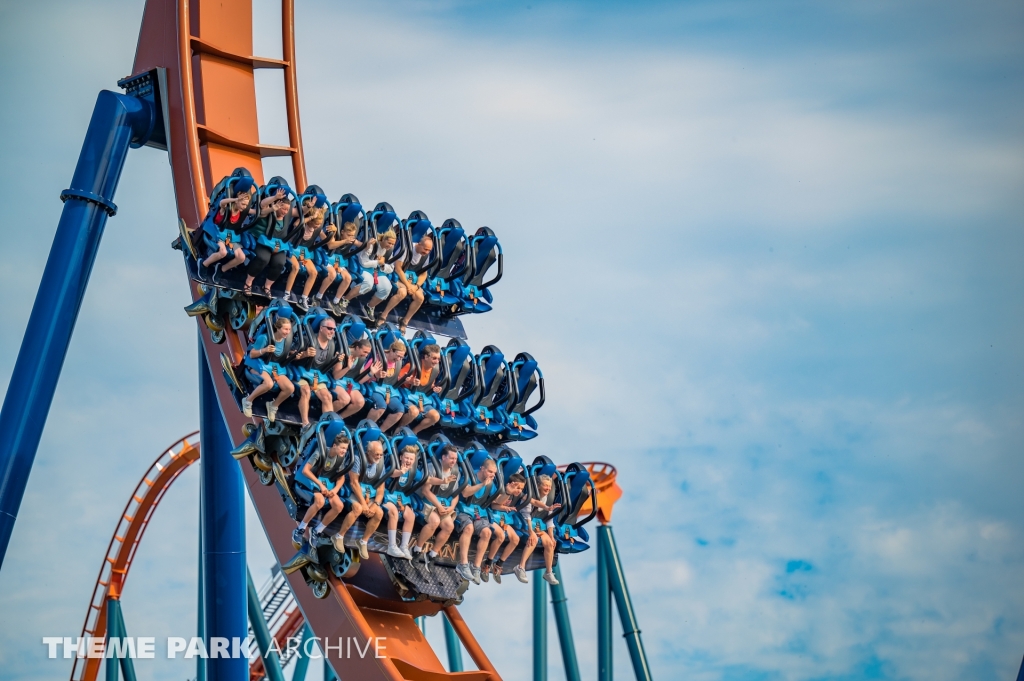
369,435
333,430
351,212
405,442
244,185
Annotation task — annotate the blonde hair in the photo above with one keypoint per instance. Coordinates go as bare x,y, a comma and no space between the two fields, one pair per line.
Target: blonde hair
409,449
388,235
396,346
349,228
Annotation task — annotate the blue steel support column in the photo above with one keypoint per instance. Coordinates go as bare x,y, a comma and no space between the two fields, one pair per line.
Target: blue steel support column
630,628
454,646
302,661
604,611
118,123
200,610
223,505
271,662
568,646
540,628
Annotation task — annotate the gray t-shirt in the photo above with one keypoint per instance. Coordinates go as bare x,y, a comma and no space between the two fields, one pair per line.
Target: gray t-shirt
449,489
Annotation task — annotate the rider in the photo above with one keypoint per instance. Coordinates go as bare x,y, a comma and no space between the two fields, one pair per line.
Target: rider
412,273
474,521
438,503
367,498
315,364
398,504
319,475
231,214
267,260
305,237
503,510
533,513
335,267
425,382
386,373
373,260
274,347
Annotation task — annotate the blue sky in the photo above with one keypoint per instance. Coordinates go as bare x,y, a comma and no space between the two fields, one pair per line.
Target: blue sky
767,255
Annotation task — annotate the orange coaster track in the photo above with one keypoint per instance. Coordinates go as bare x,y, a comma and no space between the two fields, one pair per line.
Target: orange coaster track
127,535
203,49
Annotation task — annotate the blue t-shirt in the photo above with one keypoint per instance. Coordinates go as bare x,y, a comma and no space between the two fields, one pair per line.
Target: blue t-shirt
263,340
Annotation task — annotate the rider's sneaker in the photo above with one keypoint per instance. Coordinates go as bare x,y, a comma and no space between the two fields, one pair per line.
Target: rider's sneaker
271,411
342,304
465,571
496,572
297,539
395,552
339,543
247,408
364,550
476,575
521,574
407,551
485,571
549,577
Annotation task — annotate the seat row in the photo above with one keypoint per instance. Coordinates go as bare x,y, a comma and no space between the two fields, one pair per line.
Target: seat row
355,371
479,510
270,242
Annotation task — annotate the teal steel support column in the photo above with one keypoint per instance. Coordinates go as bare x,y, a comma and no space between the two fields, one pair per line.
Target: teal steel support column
558,603
630,628
604,611
116,629
540,628
271,662
454,646
421,622
329,674
302,661
111,664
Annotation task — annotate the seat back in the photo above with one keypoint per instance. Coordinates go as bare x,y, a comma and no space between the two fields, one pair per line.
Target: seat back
349,209
509,463
579,488
418,478
459,367
542,465
466,474
382,338
351,329
527,376
484,253
321,437
264,323
494,380
366,432
476,454
451,247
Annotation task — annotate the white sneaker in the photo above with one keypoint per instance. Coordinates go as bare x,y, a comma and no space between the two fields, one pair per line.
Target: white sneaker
393,551
521,574
407,551
247,408
271,411
549,577
364,550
